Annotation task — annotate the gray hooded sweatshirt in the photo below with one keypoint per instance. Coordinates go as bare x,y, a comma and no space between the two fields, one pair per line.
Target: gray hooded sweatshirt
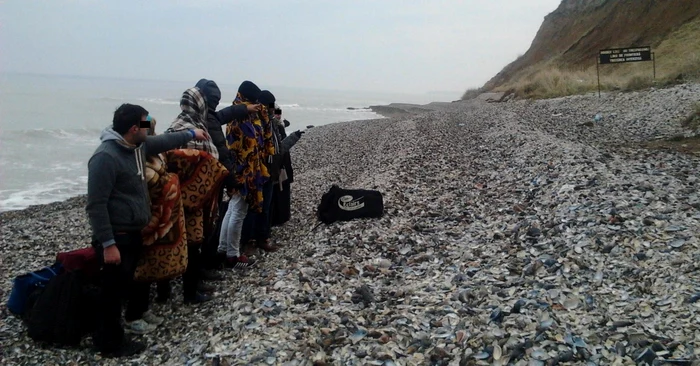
117,198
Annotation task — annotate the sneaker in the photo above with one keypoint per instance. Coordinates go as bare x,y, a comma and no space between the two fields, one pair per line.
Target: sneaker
139,326
197,299
151,318
129,348
240,262
203,287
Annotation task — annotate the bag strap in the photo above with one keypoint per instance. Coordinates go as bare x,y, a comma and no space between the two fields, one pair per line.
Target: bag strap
38,277
42,277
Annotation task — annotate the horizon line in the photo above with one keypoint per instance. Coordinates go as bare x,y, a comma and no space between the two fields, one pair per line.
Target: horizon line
25,73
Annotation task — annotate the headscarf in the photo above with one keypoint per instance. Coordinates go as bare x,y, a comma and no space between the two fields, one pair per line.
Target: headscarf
194,116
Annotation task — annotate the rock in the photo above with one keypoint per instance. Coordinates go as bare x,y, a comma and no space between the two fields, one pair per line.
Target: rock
496,233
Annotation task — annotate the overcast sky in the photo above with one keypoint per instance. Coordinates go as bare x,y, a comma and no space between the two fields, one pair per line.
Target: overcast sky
388,45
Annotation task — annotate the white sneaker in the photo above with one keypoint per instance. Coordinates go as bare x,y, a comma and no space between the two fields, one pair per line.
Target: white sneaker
151,318
139,326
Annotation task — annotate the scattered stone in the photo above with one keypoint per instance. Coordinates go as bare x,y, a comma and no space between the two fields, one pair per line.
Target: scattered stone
497,242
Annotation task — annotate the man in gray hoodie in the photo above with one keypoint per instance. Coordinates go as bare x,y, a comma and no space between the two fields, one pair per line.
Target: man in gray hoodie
118,208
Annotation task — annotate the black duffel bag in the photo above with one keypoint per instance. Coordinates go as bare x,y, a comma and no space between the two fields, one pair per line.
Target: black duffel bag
347,204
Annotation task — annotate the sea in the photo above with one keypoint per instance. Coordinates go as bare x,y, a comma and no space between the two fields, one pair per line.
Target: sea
50,125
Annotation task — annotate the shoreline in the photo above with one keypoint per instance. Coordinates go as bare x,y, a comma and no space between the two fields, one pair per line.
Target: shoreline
489,208
383,111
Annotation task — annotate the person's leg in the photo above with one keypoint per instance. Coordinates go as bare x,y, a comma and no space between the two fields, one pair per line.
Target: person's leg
248,228
226,229
109,335
138,301
262,221
238,209
274,203
116,280
138,319
206,272
209,248
286,202
192,277
163,291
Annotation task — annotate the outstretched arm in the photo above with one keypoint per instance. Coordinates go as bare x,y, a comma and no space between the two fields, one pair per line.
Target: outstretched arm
289,142
232,113
167,141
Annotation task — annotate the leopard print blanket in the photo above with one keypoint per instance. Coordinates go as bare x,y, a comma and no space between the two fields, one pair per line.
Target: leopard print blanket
165,240
183,185
201,178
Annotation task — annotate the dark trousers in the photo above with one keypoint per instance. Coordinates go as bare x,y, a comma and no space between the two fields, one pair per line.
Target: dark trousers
280,208
115,284
193,273
257,225
140,297
209,258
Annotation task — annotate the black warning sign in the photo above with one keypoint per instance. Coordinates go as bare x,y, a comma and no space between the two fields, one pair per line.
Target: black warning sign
622,55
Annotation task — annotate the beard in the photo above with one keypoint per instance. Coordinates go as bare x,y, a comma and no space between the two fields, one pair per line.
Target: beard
140,137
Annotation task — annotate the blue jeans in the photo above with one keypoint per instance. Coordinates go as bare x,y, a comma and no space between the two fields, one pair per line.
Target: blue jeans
231,226
257,225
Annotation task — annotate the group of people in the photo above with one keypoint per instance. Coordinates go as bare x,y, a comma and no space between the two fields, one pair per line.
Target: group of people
188,202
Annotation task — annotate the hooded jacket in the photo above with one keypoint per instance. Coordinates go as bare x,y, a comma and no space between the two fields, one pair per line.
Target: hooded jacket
215,120
246,141
282,144
117,198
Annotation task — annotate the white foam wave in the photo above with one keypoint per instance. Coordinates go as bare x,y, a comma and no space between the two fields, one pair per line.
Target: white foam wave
160,101
89,136
42,193
297,107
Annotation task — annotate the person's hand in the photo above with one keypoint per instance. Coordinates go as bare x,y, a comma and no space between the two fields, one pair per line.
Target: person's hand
286,123
299,133
252,108
200,134
111,255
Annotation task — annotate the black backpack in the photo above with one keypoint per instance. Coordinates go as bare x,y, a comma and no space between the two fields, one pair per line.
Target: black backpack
347,204
64,311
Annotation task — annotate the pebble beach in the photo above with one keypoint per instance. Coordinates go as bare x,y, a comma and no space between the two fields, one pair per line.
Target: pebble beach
523,232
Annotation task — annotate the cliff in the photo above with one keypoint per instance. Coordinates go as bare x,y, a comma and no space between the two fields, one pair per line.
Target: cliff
570,37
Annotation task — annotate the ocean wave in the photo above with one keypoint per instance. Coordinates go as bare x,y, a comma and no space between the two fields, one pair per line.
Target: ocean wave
160,101
81,134
297,107
42,193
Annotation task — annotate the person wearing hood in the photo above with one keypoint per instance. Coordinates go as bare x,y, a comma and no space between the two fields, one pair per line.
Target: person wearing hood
245,139
215,121
257,225
199,219
280,207
118,208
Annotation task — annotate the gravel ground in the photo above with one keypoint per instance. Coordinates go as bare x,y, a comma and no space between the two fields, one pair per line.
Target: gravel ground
520,233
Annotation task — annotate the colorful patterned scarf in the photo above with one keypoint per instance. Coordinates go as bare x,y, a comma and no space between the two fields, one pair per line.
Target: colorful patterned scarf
193,116
250,141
